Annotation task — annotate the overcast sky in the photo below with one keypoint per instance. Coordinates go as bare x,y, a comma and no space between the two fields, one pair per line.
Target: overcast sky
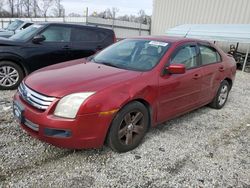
124,6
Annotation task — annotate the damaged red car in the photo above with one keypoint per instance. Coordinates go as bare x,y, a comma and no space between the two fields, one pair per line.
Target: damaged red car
118,94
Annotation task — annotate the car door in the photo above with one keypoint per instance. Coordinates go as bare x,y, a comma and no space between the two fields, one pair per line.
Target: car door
85,42
179,93
212,71
54,49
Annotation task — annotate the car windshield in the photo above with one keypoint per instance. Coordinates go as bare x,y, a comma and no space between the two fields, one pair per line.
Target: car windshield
26,33
14,25
133,54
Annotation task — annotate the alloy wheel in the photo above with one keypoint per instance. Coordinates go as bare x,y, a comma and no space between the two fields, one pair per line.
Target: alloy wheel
131,127
9,76
223,95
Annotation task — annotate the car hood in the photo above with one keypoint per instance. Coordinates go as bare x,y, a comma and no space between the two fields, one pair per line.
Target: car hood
8,42
6,33
76,76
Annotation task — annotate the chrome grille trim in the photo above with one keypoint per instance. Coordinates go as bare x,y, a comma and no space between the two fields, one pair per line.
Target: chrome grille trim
35,99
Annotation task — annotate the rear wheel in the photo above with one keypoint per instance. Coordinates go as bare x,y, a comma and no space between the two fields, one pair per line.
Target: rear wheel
11,75
128,127
221,97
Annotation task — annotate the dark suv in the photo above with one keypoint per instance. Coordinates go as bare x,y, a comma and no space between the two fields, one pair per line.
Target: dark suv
45,44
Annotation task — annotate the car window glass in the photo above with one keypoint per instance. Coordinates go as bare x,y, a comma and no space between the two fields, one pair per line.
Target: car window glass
84,35
25,34
187,56
209,55
57,34
126,49
26,25
141,55
14,25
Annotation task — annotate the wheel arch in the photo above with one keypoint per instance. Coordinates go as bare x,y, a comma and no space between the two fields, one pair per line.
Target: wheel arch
148,107
19,62
140,100
230,82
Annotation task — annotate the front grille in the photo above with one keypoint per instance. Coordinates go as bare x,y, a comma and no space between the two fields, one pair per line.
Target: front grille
35,99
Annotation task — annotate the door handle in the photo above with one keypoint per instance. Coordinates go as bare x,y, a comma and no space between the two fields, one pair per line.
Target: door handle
196,76
221,69
66,47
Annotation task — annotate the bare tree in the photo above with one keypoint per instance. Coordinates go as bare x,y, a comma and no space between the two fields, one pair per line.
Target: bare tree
107,14
11,5
35,7
27,7
124,18
18,6
142,16
1,5
72,14
114,11
59,10
44,6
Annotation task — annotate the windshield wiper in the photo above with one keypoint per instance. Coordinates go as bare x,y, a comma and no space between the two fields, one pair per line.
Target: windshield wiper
109,64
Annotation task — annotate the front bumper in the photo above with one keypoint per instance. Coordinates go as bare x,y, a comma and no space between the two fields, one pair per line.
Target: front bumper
85,131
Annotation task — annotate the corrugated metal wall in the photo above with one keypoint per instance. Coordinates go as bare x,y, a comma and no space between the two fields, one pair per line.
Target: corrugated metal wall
170,13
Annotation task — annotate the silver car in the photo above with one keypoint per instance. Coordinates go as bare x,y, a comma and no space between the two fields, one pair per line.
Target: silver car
14,27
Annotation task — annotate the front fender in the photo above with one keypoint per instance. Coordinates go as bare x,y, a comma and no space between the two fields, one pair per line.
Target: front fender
4,56
117,98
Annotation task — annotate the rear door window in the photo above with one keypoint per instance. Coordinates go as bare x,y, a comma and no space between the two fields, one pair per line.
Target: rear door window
85,35
209,55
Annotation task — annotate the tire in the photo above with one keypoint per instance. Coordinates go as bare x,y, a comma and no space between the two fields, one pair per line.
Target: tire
128,127
11,75
221,97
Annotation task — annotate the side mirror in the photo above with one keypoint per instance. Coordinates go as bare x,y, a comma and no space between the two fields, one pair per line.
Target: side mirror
176,69
38,38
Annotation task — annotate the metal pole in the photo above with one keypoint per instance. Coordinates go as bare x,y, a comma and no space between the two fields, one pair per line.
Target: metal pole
245,61
237,46
87,15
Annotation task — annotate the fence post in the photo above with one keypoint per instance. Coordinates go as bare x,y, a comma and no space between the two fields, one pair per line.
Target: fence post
245,61
113,23
87,15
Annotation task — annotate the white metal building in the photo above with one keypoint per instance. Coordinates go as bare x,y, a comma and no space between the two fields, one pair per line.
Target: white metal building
171,13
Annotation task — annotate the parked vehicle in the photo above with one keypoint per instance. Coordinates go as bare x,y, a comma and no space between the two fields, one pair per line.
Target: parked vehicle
14,27
122,91
46,44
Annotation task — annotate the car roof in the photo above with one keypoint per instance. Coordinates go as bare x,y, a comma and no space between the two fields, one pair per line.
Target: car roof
169,39
73,25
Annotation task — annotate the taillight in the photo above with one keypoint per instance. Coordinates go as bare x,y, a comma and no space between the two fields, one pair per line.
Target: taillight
115,39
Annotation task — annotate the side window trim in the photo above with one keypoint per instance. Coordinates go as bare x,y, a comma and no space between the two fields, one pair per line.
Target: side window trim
191,44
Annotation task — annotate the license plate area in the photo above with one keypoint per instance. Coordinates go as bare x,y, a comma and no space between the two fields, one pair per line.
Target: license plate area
18,111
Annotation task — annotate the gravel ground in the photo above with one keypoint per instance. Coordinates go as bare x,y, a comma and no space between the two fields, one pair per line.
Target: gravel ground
205,148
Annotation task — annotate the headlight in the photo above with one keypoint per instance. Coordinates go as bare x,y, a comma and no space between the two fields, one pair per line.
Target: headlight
69,105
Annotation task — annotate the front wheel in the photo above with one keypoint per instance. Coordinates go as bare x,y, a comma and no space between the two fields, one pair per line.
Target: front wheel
11,75
128,127
221,97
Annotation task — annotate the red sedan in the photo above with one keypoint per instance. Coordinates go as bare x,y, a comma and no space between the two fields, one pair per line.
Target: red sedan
119,93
